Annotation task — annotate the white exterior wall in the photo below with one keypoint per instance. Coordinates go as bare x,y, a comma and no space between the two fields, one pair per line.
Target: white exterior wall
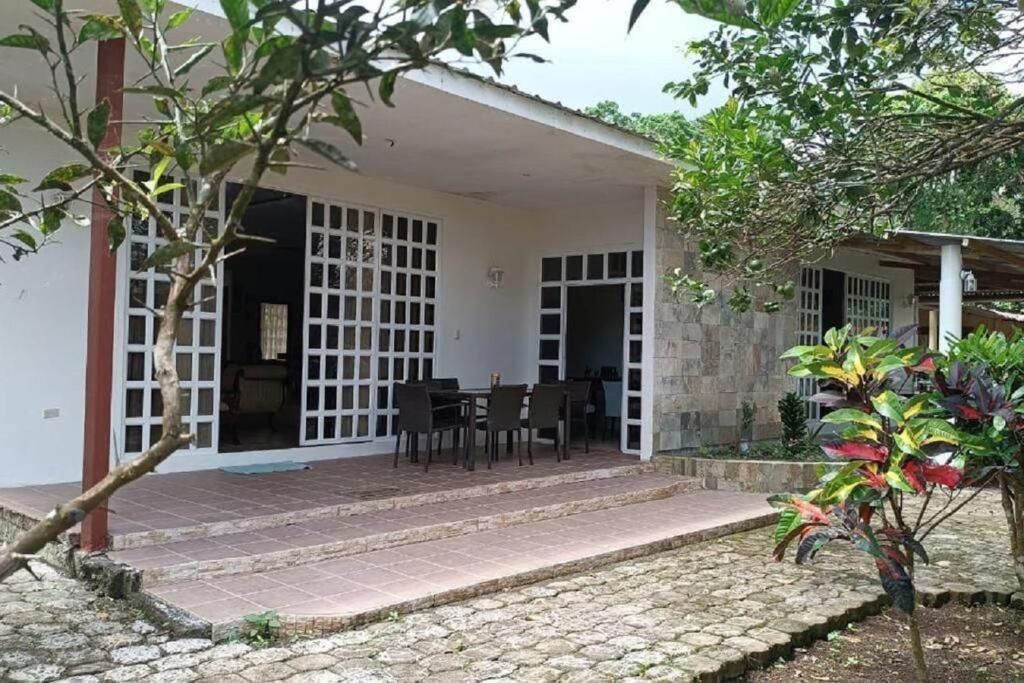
43,302
904,307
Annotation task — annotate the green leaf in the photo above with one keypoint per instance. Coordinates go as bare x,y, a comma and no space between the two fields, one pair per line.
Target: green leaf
233,47
888,405
222,155
386,88
346,115
45,5
8,202
166,254
237,13
638,8
844,415
96,123
132,15
11,179
281,65
101,27
330,152
773,11
27,41
894,477
733,13
61,177
178,18
115,233
193,59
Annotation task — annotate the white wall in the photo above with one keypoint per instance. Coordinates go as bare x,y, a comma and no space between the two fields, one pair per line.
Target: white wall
904,309
42,338
43,304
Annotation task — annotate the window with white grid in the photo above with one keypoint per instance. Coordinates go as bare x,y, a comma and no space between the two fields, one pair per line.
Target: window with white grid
808,330
197,355
273,331
868,304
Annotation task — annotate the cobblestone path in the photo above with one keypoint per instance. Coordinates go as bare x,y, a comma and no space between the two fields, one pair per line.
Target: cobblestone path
701,612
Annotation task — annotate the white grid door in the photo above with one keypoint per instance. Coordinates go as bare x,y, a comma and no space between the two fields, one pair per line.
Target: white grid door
197,351
338,331
406,336
808,330
624,267
868,304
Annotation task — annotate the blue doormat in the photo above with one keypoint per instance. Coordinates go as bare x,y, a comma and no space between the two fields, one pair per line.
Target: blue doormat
267,467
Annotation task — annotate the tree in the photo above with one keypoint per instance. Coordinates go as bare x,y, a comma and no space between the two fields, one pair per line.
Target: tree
988,404
894,449
289,68
839,125
667,129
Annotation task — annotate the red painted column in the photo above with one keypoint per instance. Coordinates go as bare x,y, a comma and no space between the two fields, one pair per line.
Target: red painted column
99,354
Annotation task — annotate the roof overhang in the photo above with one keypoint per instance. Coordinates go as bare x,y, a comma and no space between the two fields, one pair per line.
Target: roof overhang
450,132
997,264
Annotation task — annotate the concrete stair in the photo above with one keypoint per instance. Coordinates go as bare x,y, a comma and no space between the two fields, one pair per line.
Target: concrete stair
403,559
388,524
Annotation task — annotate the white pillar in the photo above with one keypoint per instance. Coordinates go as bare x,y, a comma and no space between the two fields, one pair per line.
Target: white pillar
950,296
651,283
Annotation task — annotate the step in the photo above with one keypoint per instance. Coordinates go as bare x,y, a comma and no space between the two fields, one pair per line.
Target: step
335,594
324,539
365,501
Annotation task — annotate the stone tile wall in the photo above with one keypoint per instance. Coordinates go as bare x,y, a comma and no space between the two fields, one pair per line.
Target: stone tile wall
708,361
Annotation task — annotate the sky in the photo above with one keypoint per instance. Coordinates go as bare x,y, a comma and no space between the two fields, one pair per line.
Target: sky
592,58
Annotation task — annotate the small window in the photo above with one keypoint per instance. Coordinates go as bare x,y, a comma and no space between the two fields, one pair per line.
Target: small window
273,331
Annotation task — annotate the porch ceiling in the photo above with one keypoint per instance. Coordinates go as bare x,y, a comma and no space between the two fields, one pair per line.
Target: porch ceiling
448,132
998,264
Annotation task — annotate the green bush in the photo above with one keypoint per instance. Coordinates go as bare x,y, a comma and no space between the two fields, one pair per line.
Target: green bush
793,415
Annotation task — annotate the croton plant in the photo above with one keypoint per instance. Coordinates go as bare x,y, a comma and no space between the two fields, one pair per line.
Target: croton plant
893,440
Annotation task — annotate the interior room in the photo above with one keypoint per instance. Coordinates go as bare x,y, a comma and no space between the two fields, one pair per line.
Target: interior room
261,341
594,351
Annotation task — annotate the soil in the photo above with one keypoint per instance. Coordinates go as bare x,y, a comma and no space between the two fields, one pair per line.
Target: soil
962,644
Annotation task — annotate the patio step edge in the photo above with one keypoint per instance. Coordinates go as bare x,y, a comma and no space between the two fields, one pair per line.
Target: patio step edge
317,625
281,559
141,539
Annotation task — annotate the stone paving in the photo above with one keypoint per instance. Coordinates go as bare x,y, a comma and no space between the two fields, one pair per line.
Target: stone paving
704,612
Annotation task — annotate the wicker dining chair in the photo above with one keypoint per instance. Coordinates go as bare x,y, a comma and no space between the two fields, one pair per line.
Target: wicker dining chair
504,414
418,415
544,413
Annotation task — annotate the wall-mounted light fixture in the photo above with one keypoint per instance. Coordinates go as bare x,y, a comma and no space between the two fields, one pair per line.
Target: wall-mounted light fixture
970,282
494,276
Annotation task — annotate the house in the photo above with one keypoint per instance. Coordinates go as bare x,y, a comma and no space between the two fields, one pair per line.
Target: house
482,220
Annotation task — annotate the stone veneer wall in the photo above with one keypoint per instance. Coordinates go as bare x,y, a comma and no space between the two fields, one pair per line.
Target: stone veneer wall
708,361
750,476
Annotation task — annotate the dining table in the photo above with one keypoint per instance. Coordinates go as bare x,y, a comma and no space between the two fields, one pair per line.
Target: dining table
472,397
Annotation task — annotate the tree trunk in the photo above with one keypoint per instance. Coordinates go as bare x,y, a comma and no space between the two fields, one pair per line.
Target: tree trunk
920,668
1011,491
16,555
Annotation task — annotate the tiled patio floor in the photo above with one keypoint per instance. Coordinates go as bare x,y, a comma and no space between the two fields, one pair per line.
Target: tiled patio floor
331,594
186,499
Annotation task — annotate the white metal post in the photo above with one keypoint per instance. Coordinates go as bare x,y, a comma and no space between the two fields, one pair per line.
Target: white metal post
950,296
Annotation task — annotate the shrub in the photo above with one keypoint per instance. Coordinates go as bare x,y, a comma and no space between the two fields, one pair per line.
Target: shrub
793,415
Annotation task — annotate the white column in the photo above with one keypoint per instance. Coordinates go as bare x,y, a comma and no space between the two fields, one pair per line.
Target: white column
651,282
950,295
